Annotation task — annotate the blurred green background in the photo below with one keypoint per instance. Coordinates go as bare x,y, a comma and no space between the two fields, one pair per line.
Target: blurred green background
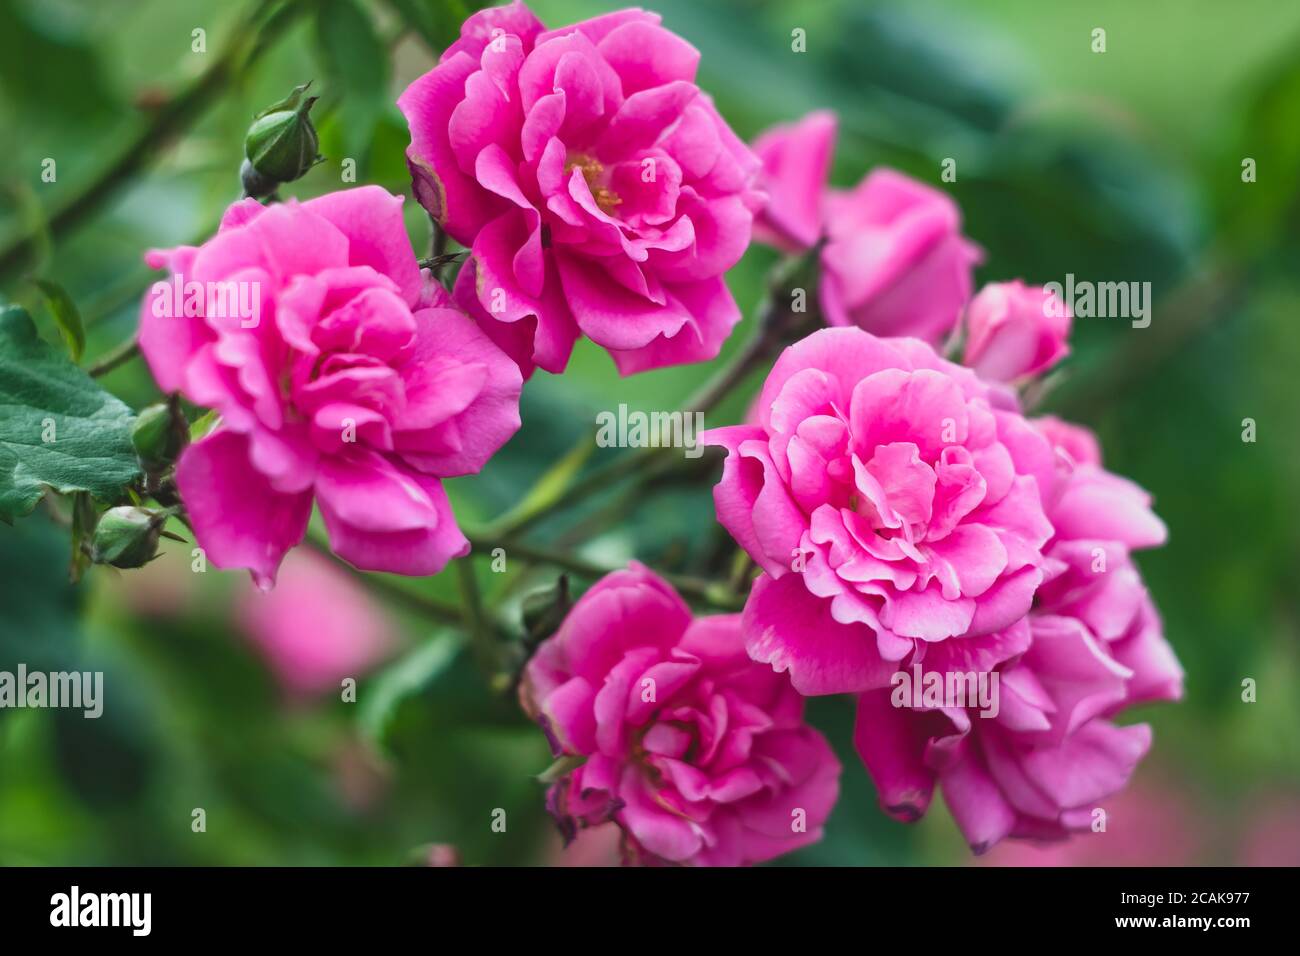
1117,166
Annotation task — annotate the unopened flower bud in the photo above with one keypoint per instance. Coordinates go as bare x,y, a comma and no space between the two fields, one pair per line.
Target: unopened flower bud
159,435
281,145
544,610
127,537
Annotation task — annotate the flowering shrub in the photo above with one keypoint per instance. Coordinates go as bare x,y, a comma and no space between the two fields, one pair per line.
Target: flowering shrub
896,518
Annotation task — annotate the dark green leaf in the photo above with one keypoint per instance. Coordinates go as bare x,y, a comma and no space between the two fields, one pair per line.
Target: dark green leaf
59,428
66,316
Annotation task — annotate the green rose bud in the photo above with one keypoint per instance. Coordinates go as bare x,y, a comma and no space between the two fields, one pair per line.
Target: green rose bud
127,537
281,145
159,434
544,610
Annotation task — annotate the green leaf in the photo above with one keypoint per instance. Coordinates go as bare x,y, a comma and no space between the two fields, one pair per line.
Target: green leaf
407,676
203,425
66,316
58,428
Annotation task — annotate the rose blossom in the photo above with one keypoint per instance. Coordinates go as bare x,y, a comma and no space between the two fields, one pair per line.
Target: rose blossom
698,754
355,385
1014,331
598,189
796,163
894,260
316,627
1091,647
891,504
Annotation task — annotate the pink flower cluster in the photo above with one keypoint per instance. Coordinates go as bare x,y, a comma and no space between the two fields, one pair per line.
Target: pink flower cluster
908,518
700,755
598,189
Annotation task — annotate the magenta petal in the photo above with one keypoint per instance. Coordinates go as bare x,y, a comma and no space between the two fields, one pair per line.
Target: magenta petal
371,219
478,394
417,551
796,163
977,805
609,314
644,54
664,834
240,521
792,630
891,742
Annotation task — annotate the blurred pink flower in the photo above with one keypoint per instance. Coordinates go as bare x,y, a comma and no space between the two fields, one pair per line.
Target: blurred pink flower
891,504
1014,331
699,755
1146,825
598,189
316,628
894,260
1272,836
339,377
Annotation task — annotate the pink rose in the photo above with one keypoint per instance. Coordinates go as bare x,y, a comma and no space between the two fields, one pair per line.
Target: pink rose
890,503
598,189
339,377
316,627
894,261
796,163
1047,756
1014,331
699,755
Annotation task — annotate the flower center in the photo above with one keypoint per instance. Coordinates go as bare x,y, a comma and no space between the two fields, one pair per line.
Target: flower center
593,172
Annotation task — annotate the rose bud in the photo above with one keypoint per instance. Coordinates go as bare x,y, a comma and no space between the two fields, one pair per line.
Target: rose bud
281,145
1014,331
127,537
